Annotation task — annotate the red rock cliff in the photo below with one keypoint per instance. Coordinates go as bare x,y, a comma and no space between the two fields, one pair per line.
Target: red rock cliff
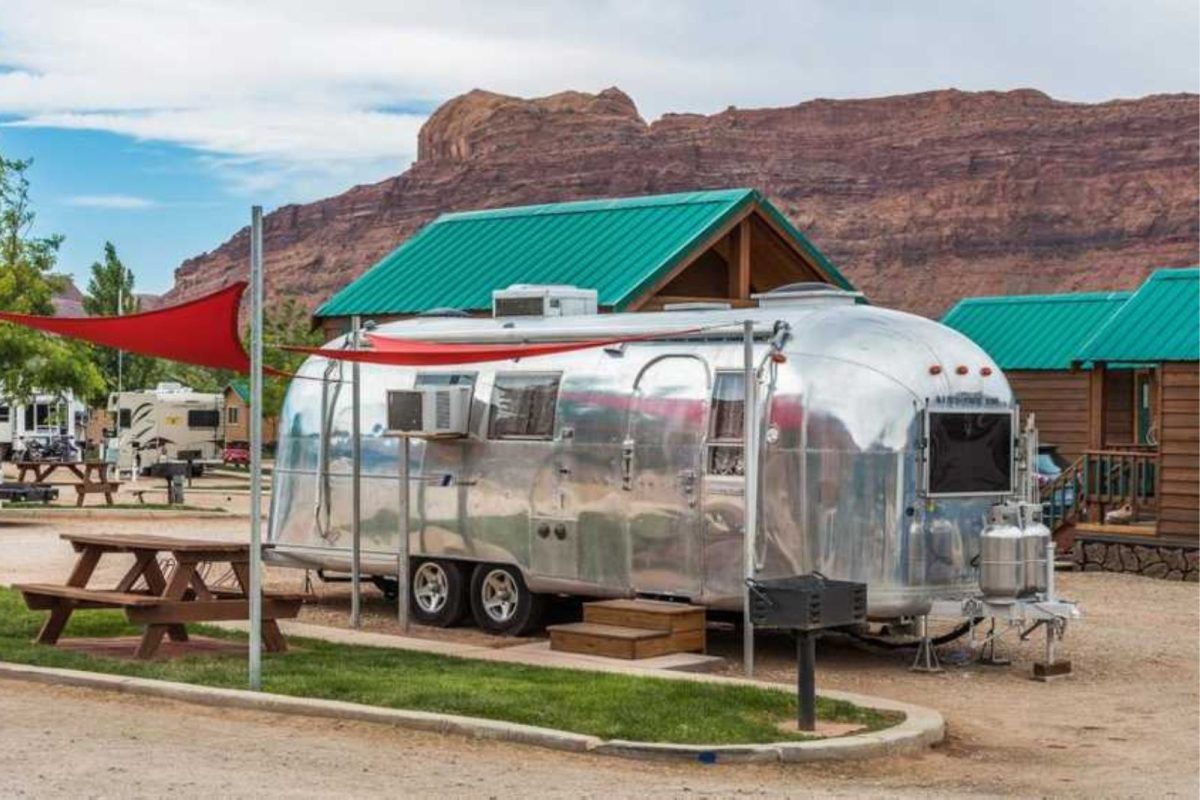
920,199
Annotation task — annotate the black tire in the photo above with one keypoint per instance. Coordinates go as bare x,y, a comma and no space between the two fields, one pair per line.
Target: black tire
443,592
519,615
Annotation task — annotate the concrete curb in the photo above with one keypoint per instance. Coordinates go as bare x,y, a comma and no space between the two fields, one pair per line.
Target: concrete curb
921,727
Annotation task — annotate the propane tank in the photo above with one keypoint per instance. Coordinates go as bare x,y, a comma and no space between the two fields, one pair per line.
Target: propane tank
1001,565
1035,544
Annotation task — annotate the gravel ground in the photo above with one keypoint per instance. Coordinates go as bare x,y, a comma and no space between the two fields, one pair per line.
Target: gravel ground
1125,724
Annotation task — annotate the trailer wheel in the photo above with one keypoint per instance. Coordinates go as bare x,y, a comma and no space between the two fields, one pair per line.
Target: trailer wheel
502,603
437,593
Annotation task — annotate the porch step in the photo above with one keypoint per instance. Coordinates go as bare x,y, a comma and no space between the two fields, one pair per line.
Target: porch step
632,629
651,615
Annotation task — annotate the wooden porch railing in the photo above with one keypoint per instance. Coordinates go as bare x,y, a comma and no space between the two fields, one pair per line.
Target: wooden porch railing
1101,481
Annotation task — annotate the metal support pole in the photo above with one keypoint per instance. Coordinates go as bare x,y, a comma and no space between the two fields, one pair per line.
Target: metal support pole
256,377
355,479
402,555
806,680
750,481
120,353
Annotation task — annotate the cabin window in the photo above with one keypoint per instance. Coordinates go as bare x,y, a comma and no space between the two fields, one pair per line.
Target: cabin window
204,418
125,418
727,424
4,412
523,407
231,415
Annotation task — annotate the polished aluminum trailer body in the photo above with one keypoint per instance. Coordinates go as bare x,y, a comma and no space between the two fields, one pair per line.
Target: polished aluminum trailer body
627,496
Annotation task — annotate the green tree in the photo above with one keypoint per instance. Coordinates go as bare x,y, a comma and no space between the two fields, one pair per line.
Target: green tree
111,284
286,322
31,361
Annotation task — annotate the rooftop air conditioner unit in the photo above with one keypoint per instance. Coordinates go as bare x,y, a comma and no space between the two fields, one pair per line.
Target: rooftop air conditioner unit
534,300
433,411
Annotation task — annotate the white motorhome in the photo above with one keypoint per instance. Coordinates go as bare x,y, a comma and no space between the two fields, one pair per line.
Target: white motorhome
44,417
170,422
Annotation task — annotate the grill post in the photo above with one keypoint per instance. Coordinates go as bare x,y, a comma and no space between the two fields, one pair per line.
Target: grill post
806,681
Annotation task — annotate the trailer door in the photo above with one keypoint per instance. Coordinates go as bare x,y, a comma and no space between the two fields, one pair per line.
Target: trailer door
661,461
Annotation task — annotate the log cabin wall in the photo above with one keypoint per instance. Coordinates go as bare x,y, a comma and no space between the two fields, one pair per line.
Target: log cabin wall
1059,401
1179,448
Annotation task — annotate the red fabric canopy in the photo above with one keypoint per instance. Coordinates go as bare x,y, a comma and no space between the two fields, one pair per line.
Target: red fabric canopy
413,353
202,331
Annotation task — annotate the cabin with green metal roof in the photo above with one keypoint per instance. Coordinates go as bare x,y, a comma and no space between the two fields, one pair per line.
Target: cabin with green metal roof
1113,379
637,253
237,416
1149,348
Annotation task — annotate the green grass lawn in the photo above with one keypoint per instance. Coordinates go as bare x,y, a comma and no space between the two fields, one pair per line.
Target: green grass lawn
600,704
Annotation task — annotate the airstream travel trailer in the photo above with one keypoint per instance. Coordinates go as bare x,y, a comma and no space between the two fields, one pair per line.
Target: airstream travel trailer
168,422
618,471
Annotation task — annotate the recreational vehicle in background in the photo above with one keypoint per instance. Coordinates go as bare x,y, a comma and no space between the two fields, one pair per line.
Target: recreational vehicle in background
170,422
44,418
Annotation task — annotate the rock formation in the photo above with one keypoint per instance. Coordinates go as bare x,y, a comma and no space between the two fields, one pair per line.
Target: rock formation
920,199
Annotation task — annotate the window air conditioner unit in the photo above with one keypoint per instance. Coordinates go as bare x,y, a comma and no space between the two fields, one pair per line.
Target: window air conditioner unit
432,411
534,300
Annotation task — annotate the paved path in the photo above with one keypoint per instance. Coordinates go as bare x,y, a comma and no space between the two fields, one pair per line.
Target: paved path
58,742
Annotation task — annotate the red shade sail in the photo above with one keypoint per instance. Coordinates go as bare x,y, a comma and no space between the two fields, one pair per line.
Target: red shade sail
413,353
203,331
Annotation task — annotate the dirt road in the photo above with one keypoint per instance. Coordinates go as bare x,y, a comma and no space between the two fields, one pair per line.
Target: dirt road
1125,724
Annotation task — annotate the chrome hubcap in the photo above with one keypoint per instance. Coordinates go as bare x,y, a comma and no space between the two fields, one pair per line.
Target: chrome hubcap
500,594
430,587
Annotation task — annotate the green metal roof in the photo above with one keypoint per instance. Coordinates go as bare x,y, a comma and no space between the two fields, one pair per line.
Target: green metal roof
619,247
1161,322
1036,331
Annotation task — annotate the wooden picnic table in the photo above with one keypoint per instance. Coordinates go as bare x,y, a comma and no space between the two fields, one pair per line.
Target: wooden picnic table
167,602
85,471
92,475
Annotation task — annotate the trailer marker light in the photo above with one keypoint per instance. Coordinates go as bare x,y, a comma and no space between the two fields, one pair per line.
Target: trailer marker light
778,358
985,371
935,370
961,369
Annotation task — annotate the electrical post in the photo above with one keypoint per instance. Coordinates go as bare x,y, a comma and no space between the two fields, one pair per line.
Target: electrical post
355,479
402,589
750,482
256,378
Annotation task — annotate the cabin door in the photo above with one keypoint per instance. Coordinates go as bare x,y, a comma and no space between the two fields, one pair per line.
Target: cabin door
661,460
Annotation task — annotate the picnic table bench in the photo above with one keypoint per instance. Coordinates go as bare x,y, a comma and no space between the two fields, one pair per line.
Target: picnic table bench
168,602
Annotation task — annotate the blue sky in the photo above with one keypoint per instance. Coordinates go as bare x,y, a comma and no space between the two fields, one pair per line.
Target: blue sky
156,125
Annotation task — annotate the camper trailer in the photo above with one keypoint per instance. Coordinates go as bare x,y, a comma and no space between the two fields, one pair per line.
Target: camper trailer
619,471
168,423
43,419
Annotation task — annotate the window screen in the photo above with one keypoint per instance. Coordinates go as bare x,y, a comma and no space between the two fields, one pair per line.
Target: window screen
727,423
204,418
970,453
523,407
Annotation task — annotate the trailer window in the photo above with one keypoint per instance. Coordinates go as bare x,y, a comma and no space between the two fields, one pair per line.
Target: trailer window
445,379
726,424
204,418
125,418
4,414
970,453
523,407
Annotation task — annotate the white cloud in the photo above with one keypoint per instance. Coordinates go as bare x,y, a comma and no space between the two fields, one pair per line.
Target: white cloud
291,93
114,202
